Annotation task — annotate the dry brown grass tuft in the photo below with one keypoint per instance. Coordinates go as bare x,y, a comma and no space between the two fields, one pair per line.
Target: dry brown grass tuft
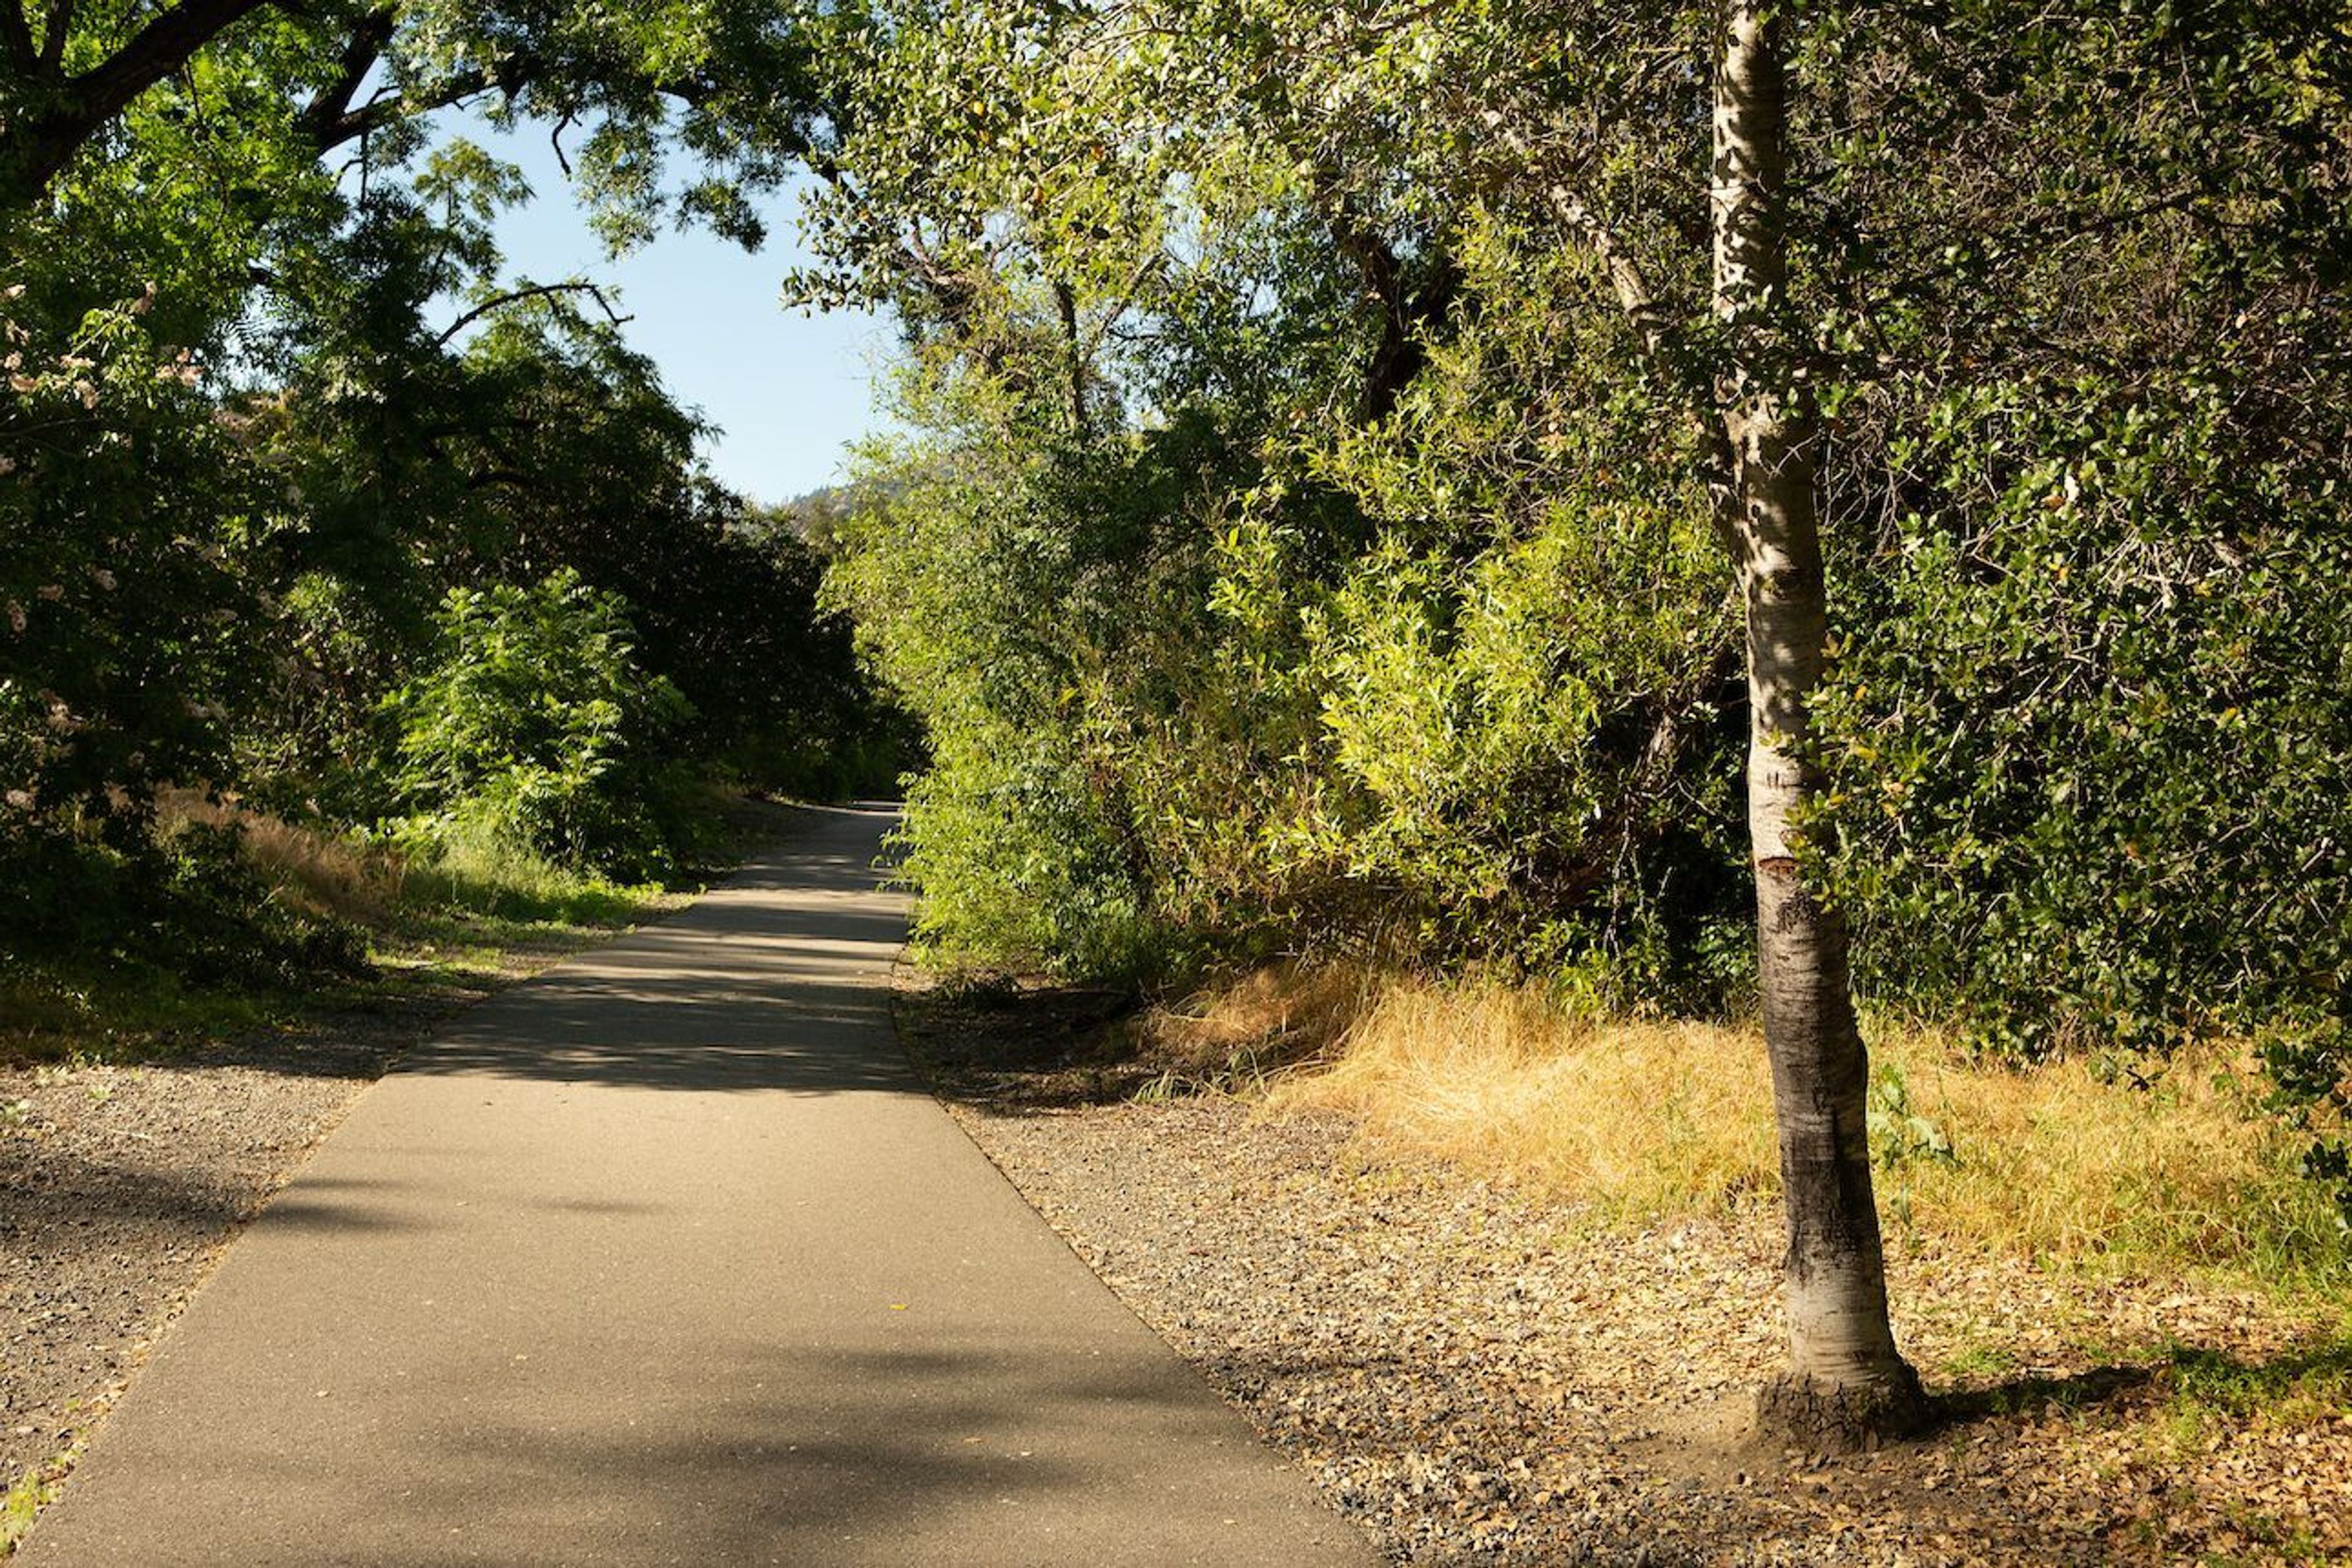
1262,1024
329,872
2060,1161
1647,1119
1640,1119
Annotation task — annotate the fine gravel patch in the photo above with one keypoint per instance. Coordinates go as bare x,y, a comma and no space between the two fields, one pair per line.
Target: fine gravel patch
1483,1377
123,1184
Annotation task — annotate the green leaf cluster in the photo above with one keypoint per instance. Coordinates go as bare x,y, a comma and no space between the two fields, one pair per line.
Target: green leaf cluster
534,720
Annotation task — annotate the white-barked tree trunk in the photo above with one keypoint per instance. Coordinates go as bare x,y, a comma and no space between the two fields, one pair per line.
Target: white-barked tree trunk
1846,1384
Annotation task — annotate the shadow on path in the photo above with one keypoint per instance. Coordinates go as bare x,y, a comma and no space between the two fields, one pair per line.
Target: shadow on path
664,1258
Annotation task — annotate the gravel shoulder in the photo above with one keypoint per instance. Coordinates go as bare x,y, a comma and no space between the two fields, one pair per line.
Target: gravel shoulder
1484,1378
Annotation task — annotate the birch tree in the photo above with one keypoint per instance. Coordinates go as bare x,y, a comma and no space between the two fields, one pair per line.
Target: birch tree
1845,1380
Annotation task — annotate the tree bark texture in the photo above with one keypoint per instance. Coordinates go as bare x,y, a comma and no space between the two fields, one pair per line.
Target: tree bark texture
1846,1384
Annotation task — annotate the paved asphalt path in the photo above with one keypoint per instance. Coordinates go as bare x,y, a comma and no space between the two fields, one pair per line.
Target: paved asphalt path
666,1257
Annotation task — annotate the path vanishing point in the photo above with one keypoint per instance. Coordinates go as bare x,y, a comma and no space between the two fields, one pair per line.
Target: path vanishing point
666,1257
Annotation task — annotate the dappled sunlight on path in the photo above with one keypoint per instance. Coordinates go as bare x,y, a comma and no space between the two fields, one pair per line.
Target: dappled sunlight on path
668,1257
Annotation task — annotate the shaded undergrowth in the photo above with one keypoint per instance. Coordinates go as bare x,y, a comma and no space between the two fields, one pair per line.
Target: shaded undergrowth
239,920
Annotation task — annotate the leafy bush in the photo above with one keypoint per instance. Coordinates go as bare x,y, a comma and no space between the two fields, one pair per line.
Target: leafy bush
979,607
125,582
185,905
2087,741
535,724
1201,689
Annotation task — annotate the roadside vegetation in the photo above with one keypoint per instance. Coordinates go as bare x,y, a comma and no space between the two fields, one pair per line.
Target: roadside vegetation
2184,1174
1307,546
360,600
2083,1175
257,924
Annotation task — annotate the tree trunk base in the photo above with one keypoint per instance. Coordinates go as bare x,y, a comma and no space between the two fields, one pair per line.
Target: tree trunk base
1842,1417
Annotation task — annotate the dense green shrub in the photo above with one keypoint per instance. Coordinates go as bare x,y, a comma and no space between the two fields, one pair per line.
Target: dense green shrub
535,724
2090,749
1227,682
183,905
2087,735
1154,739
987,611
127,574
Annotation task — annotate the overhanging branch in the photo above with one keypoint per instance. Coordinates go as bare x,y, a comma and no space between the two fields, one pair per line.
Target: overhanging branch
534,291
39,146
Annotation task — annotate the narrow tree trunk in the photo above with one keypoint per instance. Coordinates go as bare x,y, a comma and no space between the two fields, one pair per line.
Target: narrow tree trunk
1846,1385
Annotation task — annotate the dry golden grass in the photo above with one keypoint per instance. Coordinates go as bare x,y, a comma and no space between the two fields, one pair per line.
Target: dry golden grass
1641,1119
1646,1120
2061,1162
1272,1015
331,873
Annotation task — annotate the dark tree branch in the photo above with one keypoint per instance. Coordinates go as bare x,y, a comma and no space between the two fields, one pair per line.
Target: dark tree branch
332,105
1065,304
157,51
509,78
41,145
53,34
16,35
1408,314
364,119
536,290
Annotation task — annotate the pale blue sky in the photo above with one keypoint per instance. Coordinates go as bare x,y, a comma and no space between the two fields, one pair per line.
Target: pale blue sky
789,390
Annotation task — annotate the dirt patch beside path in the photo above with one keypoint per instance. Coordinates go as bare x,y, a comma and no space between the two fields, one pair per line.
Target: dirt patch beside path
1488,1379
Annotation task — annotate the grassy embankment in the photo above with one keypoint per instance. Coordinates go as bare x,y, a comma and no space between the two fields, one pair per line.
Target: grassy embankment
398,928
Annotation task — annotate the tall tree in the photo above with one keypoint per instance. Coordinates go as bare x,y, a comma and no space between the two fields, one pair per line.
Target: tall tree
1845,1380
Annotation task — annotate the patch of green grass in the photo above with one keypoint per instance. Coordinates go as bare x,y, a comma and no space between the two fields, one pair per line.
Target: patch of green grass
2209,1392
474,872
113,1010
31,1494
455,935
19,1508
479,912
2277,1542
1981,1363
2313,1383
